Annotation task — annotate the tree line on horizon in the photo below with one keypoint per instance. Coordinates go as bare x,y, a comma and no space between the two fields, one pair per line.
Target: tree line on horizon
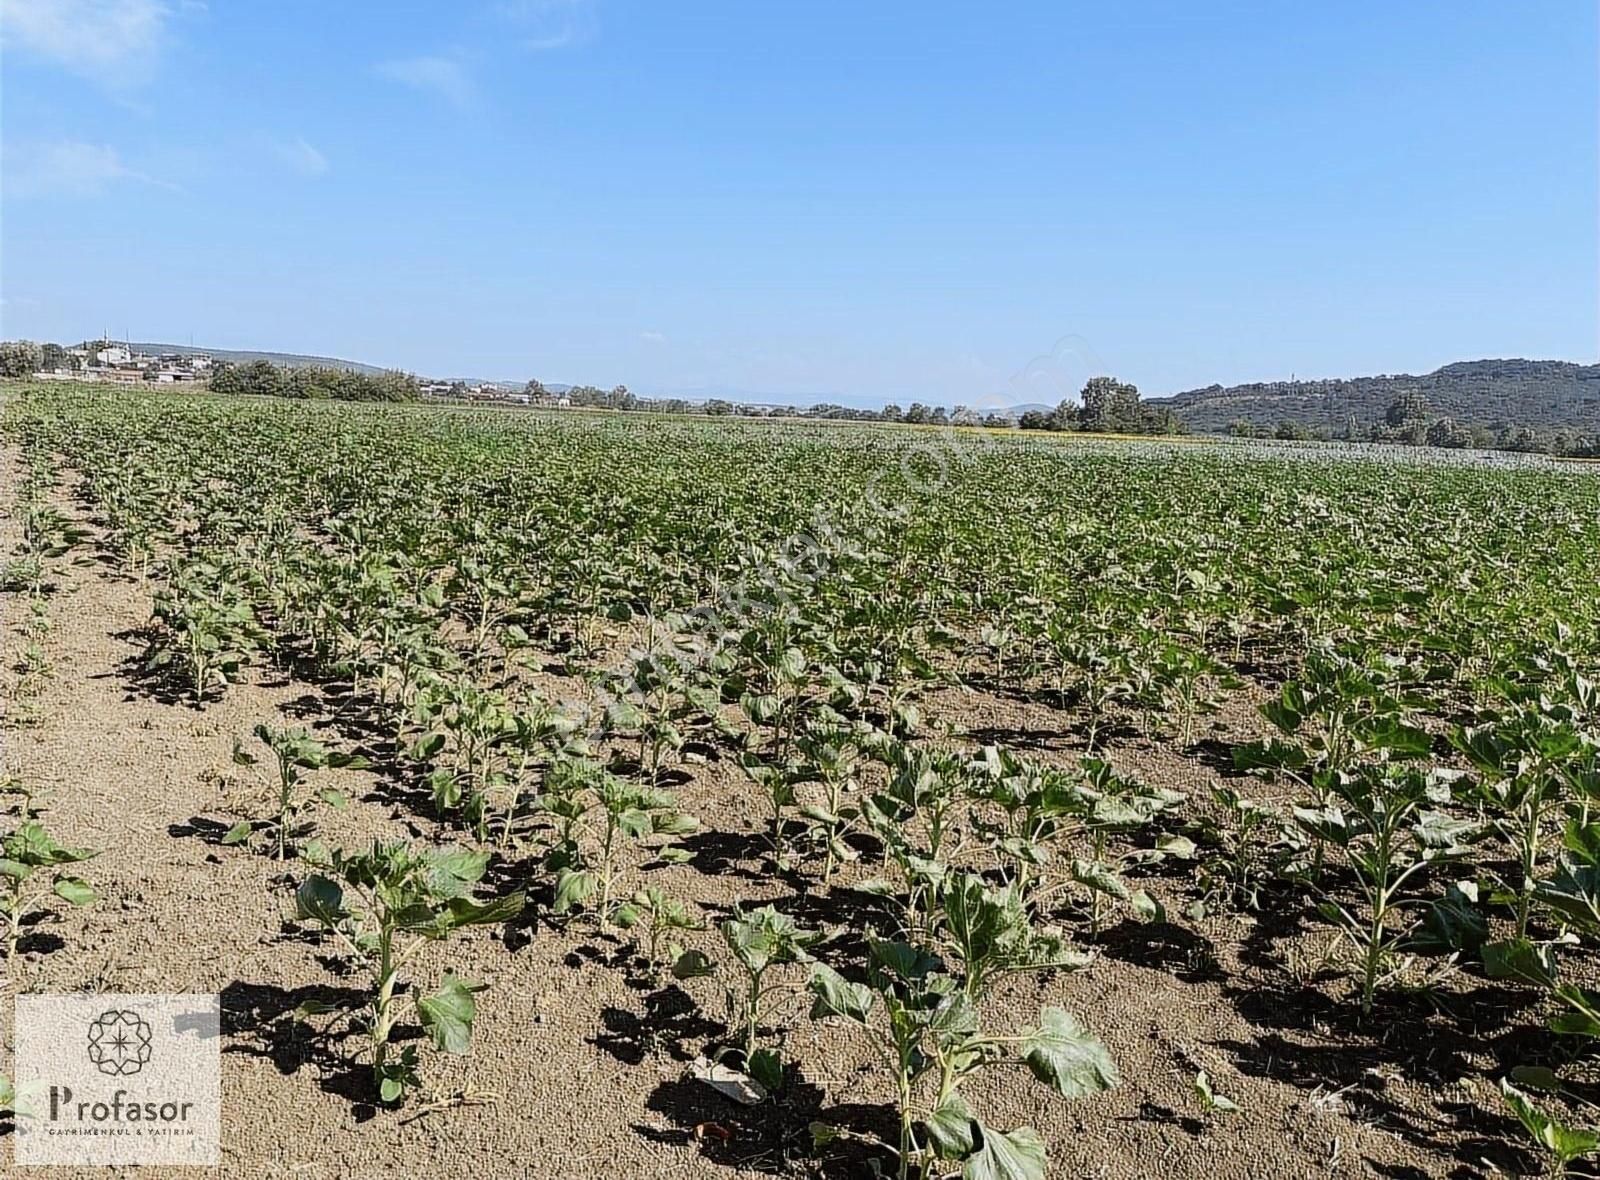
265,379
1411,421
1106,405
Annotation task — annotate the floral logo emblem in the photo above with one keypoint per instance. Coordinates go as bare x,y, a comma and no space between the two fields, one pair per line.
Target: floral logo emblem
119,1042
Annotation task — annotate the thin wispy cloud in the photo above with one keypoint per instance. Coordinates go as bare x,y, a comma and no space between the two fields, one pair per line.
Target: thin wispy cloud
299,156
444,77
69,168
115,42
550,24
653,337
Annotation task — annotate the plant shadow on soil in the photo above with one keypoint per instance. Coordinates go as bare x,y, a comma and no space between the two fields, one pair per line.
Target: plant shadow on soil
162,685
1161,946
719,853
355,720
36,941
262,1021
1064,737
671,1019
769,1138
1320,1044
198,827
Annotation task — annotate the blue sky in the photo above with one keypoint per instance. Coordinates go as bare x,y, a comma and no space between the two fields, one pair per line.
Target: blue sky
880,201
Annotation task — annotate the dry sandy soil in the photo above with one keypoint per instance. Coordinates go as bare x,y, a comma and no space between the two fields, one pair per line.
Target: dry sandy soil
588,1059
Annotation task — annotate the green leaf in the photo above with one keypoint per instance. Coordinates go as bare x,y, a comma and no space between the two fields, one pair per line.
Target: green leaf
239,833
1520,959
1453,922
463,911
1018,1155
765,936
908,963
692,964
834,995
427,747
1101,879
950,1129
955,1021
1564,1142
1173,845
635,823
319,900
573,888
1269,755
1438,830
1395,736
74,890
31,845
766,1067
822,1134
1147,908
1209,1098
451,870
1580,1022
447,1014
1064,1054
1573,892
1582,839
1282,712
1537,1077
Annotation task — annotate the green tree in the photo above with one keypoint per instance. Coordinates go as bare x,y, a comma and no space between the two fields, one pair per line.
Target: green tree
1411,406
20,358
1446,432
1109,406
262,378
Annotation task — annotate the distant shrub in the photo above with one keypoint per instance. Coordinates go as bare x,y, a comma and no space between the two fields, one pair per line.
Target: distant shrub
265,379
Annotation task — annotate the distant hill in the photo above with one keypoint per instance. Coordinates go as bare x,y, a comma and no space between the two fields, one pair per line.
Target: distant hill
243,356
1542,395
296,360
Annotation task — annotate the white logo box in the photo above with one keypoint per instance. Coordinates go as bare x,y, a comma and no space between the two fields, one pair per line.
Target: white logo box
118,1079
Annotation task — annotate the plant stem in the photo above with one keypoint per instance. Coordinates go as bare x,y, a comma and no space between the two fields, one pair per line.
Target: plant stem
382,1014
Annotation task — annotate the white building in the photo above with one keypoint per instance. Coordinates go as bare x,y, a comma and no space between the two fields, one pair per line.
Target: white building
113,354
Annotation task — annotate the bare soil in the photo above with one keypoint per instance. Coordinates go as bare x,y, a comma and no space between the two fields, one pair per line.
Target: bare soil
582,1059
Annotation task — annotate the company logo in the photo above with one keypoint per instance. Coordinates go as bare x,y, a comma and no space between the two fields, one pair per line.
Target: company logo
119,1042
116,1079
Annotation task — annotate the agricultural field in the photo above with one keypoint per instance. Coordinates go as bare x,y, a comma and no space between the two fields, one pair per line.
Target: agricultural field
584,795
